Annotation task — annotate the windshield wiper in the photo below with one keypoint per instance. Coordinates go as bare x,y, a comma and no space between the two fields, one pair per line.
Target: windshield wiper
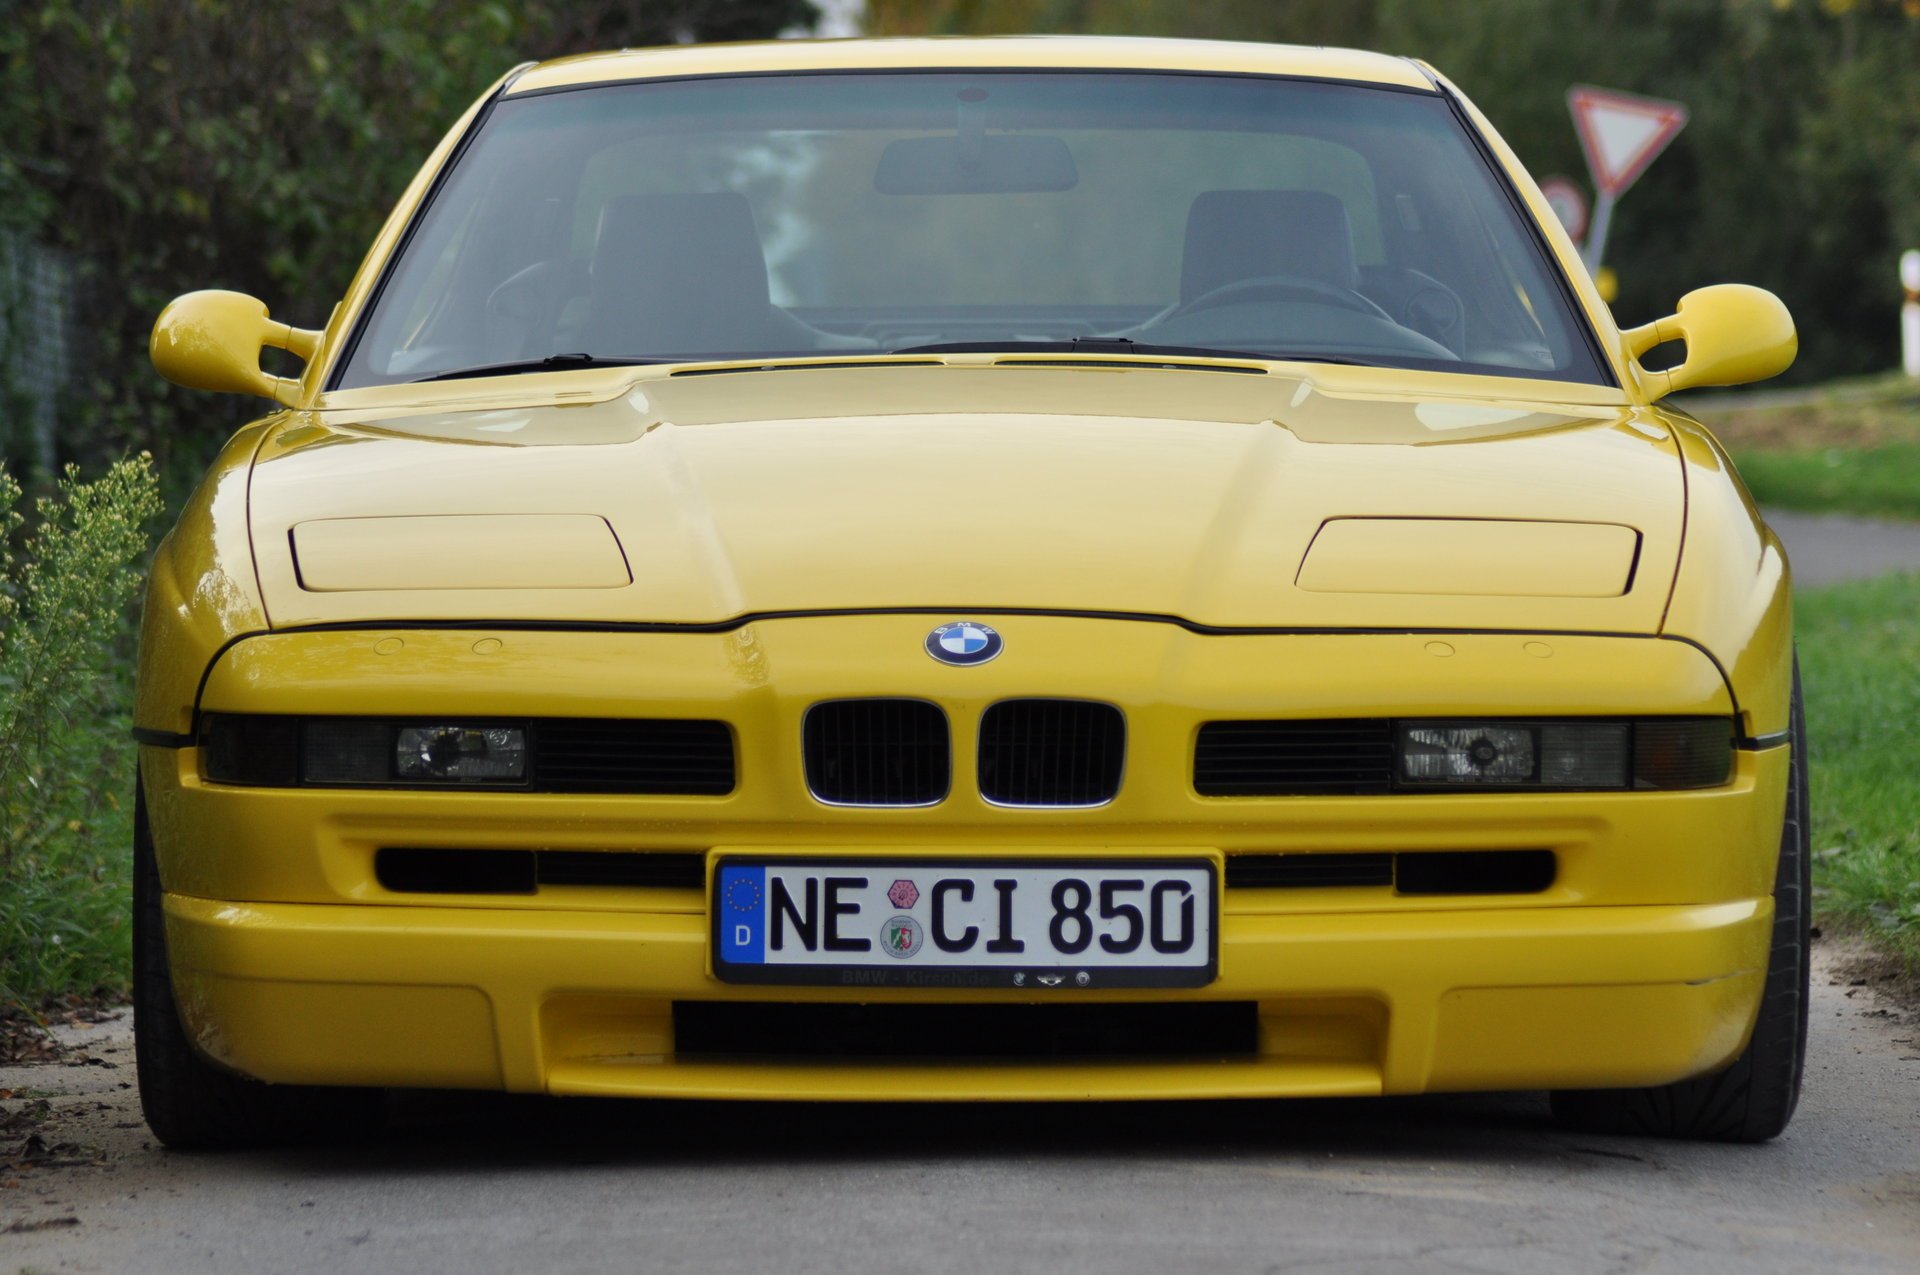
1119,345
552,363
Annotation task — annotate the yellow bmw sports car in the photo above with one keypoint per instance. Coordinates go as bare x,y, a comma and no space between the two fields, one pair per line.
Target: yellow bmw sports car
971,570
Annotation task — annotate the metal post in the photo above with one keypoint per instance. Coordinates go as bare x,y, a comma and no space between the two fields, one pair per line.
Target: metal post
1910,313
1597,233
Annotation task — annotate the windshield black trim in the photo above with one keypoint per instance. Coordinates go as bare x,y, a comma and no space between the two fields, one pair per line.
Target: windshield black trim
1130,360
810,364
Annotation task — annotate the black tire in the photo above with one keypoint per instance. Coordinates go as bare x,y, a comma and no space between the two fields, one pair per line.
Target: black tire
189,1103
1753,1099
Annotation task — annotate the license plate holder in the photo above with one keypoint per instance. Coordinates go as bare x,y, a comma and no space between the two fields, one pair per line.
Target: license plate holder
1025,924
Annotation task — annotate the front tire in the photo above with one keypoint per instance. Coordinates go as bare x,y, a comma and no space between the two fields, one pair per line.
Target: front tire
189,1103
1752,1099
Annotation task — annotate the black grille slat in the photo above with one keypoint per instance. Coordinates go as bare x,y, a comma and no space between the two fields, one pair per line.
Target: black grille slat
1294,758
877,752
657,757
1050,752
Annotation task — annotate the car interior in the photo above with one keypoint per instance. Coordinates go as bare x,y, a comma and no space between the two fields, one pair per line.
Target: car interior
614,246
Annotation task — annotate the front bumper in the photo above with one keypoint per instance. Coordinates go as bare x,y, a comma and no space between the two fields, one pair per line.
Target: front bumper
1350,1005
1641,964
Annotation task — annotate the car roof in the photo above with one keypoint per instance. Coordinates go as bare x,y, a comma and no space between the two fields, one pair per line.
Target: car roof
989,53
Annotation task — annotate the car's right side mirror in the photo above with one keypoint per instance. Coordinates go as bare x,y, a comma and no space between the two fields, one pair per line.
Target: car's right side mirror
212,341
1734,334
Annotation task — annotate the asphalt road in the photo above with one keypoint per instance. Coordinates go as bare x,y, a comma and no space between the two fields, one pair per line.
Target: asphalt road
1471,1184
1830,548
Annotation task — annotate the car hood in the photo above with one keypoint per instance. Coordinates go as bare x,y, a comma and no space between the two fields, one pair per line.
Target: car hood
1228,499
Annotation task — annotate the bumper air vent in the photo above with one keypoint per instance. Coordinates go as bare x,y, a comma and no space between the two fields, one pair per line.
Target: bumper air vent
1011,1032
1051,752
1474,872
1307,871
1287,759
877,752
407,870
1416,872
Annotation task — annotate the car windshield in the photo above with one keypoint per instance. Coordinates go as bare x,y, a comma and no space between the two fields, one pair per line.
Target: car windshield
786,216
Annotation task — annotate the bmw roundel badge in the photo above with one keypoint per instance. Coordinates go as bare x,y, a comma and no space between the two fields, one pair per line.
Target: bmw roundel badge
963,642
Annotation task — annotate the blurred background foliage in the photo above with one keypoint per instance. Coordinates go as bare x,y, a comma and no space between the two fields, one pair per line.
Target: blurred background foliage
159,146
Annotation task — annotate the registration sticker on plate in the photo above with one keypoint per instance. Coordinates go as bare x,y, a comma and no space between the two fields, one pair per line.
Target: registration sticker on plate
965,922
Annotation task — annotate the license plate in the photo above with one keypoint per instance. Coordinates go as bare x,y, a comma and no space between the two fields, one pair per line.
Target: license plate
965,922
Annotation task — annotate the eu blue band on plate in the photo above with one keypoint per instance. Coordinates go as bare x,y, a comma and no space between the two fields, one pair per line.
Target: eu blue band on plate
740,896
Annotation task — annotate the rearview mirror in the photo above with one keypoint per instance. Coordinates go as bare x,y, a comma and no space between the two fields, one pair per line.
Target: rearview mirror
975,164
212,341
1734,334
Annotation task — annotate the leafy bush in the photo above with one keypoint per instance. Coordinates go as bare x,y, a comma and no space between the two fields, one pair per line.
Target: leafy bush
66,761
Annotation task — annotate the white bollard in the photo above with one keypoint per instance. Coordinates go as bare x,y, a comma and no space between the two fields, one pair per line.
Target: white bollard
1910,313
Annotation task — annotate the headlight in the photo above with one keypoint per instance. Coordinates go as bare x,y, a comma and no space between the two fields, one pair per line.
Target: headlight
1657,753
646,756
282,751
350,751
1434,753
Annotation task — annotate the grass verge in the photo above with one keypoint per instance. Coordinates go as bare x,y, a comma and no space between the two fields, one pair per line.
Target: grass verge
1879,481
1860,660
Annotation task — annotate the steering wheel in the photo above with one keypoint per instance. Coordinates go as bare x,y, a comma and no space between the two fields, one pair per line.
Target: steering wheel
1277,286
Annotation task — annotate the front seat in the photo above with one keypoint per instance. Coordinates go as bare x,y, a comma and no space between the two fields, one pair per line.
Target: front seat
1243,234
686,275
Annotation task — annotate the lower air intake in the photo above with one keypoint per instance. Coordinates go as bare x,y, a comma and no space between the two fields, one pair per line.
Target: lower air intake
432,870
1011,1032
1414,872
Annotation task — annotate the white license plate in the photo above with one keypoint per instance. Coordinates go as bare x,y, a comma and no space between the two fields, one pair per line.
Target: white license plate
965,922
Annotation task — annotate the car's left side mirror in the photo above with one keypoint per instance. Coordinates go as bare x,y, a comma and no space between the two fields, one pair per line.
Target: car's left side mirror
1733,333
212,341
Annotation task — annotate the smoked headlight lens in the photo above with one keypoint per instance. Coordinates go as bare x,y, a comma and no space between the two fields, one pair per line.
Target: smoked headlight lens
283,751
1657,753
1439,753
363,752
486,754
